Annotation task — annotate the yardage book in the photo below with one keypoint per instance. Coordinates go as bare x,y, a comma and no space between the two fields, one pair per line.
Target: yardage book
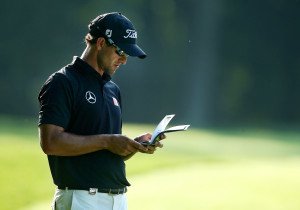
161,128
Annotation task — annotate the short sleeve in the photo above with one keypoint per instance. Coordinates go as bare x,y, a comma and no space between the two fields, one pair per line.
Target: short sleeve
55,99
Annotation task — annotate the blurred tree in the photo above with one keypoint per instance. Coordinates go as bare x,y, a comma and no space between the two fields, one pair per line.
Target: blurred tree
209,62
260,39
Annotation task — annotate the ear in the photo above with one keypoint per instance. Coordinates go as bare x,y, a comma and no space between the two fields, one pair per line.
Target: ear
100,43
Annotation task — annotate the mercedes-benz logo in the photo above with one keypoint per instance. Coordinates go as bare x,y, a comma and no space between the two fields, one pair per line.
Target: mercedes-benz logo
90,97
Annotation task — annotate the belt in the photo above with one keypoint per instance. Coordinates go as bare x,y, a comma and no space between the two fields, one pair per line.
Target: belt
93,191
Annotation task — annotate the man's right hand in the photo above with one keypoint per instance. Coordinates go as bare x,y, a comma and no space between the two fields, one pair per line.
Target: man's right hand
124,146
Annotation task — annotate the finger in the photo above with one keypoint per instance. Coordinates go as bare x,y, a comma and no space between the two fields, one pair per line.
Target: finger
139,147
144,137
150,150
162,136
158,144
147,136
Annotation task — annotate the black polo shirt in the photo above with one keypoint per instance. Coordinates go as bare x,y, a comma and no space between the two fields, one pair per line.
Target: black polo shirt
83,102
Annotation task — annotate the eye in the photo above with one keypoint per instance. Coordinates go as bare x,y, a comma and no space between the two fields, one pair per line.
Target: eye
118,50
122,53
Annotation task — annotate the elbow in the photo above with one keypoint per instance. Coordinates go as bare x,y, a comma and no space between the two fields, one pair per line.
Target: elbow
48,144
48,135
46,147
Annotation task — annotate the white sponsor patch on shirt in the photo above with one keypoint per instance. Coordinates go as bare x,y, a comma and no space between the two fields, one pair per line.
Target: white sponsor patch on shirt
115,101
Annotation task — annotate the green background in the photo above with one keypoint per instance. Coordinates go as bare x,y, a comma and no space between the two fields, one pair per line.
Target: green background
213,63
233,169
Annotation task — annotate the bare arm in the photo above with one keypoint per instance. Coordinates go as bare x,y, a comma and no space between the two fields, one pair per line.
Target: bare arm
55,141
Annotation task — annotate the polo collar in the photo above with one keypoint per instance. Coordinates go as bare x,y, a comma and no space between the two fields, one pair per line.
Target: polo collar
85,68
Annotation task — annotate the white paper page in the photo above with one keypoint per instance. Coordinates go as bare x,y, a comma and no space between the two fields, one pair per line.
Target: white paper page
161,126
177,128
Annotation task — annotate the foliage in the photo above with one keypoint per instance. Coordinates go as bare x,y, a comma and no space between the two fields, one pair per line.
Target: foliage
210,62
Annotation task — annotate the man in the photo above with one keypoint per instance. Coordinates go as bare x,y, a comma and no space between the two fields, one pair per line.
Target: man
80,120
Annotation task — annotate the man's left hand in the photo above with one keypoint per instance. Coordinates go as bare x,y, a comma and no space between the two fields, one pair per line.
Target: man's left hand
147,137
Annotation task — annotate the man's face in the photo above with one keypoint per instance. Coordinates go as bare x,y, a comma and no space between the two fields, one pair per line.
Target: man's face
109,60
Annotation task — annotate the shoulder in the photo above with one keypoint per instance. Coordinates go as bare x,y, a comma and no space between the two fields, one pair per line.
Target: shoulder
67,76
111,86
64,80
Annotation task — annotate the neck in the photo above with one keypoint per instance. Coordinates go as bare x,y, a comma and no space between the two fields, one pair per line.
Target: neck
89,55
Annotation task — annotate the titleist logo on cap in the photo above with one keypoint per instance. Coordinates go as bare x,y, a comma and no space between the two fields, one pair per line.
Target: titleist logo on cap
131,34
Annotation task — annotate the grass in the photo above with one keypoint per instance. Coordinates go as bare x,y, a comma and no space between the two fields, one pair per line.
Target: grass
197,169
237,186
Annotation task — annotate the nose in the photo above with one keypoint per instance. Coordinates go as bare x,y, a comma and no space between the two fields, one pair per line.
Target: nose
123,59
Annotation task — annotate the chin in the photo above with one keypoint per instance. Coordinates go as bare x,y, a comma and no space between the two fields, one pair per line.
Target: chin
110,71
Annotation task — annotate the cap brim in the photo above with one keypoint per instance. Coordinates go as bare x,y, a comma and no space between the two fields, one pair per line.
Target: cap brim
133,50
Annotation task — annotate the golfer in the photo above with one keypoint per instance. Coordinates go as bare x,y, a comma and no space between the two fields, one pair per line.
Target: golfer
80,121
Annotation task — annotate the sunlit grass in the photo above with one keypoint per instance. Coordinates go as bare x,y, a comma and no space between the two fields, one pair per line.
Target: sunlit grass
24,172
247,185
196,169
